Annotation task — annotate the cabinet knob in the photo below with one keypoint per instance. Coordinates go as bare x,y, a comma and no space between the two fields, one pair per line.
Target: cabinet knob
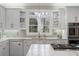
19,44
0,25
3,48
12,25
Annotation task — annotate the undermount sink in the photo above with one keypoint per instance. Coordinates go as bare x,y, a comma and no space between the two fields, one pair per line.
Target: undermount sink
52,38
38,38
45,38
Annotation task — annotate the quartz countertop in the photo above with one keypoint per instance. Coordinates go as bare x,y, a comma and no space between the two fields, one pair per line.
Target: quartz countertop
9,38
49,51
27,38
30,38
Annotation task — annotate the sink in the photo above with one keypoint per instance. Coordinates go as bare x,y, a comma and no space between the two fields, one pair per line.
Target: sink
52,38
41,38
45,38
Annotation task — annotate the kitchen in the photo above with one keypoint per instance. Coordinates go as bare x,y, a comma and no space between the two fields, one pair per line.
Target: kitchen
39,29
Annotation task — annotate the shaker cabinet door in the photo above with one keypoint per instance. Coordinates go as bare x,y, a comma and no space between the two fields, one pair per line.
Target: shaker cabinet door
12,18
16,49
5,50
0,50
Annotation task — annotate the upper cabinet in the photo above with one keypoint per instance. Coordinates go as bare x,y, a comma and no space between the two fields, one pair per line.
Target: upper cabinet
2,20
2,17
22,19
56,17
12,18
73,14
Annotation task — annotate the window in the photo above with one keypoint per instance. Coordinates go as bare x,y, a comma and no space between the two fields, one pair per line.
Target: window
33,25
38,22
45,25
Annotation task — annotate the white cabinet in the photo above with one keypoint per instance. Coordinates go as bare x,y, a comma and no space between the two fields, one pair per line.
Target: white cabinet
22,19
12,18
2,20
16,48
26,48
4,48
0,50
72,14
27,44
2,17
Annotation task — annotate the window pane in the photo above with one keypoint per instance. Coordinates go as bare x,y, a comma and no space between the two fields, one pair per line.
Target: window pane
55,15
33,21
45,29
44,21
32,28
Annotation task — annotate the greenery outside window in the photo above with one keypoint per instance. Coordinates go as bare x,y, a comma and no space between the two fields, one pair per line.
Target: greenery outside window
45,25
33,25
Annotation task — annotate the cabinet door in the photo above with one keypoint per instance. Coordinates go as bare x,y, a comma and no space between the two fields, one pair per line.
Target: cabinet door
0,50
5,50
12,18
26,48
72,14
72,32
16,49
2,17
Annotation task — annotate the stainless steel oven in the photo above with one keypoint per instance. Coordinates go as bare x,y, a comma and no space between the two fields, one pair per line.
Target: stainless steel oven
73,31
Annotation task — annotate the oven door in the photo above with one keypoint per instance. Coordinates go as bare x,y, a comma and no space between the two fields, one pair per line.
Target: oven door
72,32
77,31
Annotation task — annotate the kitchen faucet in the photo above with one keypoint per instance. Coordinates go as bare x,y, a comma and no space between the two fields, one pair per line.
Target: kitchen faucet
39,35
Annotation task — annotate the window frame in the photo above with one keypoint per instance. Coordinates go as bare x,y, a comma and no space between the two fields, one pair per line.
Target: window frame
50,16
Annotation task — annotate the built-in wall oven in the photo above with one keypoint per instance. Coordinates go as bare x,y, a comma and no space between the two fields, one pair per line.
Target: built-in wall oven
73,33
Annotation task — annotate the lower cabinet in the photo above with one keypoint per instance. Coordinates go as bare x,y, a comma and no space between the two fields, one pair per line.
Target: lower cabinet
4,48
0,50
5,51
26,48
16,48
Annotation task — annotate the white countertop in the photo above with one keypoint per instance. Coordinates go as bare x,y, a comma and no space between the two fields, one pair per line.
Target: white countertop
8,38
47,50
28,38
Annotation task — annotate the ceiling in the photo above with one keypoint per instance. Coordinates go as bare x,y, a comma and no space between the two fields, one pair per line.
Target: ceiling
27,5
